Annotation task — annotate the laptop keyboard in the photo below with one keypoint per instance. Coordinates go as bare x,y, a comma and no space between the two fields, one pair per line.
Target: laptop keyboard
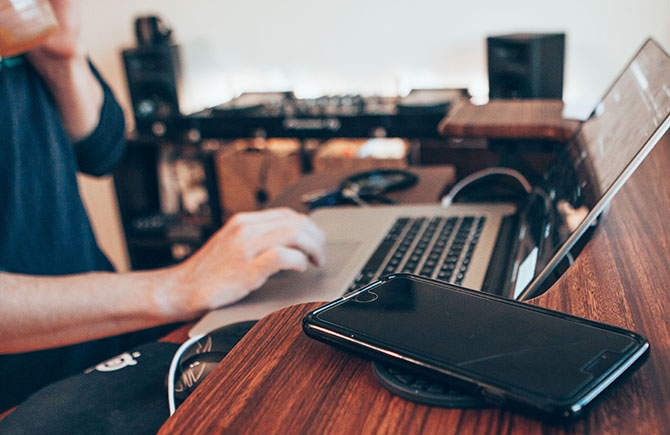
437,247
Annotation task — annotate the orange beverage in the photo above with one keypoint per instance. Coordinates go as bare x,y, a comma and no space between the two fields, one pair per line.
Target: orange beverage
24,24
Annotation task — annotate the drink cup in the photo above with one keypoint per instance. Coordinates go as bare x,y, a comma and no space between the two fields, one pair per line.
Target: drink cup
24,24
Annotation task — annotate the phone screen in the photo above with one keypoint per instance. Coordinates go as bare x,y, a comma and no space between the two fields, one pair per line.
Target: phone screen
501,342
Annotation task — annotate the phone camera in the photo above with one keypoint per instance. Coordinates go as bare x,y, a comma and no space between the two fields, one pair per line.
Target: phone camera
366,297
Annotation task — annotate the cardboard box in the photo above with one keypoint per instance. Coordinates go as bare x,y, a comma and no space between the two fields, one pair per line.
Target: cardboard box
361,155
252,172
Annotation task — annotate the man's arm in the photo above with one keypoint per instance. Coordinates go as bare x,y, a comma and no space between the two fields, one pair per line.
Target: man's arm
62,63
43,312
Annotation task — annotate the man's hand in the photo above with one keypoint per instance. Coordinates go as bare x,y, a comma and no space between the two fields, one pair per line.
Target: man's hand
244,254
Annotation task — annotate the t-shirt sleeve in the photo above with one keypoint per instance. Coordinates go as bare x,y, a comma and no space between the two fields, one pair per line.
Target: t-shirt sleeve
100,152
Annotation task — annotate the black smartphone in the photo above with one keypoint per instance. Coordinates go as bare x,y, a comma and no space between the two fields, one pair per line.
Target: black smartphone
510,353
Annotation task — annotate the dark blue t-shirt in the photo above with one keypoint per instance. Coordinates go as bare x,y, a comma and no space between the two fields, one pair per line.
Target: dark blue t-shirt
44,228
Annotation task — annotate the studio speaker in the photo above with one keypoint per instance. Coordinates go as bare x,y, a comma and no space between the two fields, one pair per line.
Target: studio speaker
526,65
153,71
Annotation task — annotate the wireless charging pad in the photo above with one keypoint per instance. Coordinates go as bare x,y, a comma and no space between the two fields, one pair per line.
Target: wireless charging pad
421,389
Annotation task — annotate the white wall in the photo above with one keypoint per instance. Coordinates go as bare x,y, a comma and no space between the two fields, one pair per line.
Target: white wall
370,46
367,46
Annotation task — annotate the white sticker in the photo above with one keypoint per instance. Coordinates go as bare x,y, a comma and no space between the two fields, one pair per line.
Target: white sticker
116,363
526,272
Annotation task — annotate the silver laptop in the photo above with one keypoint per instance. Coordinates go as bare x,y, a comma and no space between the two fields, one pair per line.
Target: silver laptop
505,249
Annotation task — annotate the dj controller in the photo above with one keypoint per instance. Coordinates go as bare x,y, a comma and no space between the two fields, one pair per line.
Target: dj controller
282,114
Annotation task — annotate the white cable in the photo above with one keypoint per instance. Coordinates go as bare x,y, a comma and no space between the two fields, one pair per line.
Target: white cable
449,197
173,369
352,194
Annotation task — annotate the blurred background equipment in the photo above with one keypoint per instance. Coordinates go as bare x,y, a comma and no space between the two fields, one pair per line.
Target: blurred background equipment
169,201
361,154
282,114
526,65
186,173
153,71
252,172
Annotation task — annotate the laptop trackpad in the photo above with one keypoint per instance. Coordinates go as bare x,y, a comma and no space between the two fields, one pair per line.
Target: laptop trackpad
289,284
287,288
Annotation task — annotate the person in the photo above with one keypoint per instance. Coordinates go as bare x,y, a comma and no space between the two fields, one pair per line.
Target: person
62,307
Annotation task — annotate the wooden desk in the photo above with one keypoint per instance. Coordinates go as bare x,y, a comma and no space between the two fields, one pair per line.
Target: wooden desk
510,119
279,381
522,134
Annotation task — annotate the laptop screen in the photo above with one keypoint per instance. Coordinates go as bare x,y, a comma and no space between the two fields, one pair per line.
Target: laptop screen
611,143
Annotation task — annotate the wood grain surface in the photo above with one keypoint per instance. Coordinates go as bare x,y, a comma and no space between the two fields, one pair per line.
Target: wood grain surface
510,119
279,381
